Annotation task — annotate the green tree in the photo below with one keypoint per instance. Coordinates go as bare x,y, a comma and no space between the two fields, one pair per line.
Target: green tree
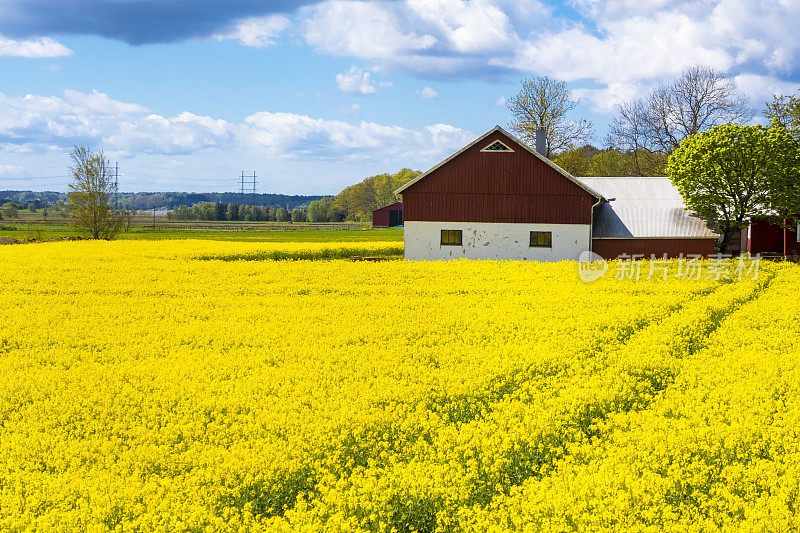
90,195
722,175
784,175
545,103
298,215
612,162
10,210
282,215
357,202
786,109
319,210
233,212
576,161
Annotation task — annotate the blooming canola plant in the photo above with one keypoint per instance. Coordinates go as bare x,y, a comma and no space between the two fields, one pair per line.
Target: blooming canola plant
194,385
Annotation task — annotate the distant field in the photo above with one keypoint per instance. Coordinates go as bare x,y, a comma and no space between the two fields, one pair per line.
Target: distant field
228,231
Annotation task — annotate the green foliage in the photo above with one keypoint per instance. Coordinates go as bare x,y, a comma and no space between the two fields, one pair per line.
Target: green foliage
358,201
320,210
215,211
233,212
576,161
722,174
298,215
10,210
784,176
282,215
90,195
786,109
591,161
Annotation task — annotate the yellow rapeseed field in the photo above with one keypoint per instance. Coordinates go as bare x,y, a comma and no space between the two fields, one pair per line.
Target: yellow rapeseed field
217,386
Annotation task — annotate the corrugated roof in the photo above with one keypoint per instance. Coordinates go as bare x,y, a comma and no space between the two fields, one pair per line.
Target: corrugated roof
643,207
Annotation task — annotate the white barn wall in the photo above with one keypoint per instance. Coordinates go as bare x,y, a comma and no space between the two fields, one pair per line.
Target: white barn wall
494,241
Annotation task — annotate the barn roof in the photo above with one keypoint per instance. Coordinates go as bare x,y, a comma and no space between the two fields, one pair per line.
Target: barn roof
549,163
396,205
642,207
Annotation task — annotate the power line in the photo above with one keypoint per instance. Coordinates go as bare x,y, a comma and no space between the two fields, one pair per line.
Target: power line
248,183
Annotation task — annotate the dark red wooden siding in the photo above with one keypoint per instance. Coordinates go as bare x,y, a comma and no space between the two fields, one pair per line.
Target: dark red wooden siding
766,237
480,186
380,217
613,248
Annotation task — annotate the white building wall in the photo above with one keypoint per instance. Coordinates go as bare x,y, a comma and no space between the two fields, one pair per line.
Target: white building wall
493,241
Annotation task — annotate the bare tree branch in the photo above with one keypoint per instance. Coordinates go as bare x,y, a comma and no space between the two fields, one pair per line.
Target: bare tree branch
544,103
699,99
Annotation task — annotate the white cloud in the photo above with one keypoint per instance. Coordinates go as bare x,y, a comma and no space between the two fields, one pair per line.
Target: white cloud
621,47
42,47
290,135
501,101
606,98
257,32
361,29
427,92
11,169
356,80
41,123
468,27
352,109
762,88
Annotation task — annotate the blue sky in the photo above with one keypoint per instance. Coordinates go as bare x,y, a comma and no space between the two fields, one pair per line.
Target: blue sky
314,96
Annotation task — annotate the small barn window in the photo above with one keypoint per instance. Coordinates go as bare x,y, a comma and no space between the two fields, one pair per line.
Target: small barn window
451,237
497,146
541,239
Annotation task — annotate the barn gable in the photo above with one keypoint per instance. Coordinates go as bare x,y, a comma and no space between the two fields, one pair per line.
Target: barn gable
498,179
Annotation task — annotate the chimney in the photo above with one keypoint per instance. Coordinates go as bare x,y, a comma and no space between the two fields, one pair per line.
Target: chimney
541,142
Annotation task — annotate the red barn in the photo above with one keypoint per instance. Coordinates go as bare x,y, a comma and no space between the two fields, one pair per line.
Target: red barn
496,198
763,237
388,216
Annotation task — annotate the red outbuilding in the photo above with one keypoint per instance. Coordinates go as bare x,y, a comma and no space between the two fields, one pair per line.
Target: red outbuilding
764,237
388,216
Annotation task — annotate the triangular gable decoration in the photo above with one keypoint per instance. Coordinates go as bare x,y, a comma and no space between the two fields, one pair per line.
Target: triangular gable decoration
497,146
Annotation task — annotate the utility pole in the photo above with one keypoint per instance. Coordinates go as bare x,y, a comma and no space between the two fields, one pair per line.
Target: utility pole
116,185
250,184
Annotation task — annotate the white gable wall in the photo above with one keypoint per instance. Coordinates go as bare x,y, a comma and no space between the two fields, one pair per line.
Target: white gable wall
494,241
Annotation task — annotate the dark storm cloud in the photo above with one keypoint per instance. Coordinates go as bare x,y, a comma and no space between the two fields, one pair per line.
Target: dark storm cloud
132,21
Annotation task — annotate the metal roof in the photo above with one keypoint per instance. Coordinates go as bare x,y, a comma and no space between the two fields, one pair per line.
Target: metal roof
643,207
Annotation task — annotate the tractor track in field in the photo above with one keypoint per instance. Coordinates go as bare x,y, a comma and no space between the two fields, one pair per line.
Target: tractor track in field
646,386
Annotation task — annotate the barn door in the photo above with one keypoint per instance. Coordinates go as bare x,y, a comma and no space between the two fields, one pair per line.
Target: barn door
395,217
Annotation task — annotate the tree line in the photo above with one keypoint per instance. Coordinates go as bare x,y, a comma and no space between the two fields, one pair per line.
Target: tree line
354,203
642,133
235,212
697,130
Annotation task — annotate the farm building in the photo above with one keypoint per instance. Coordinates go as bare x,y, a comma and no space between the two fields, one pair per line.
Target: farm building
763,237
388,216
496,198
